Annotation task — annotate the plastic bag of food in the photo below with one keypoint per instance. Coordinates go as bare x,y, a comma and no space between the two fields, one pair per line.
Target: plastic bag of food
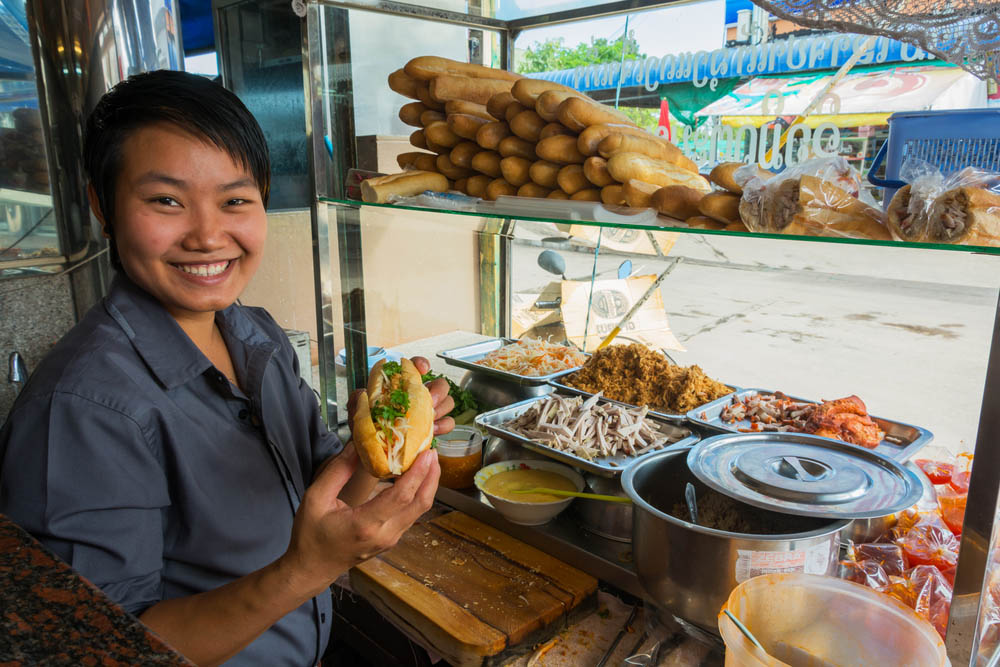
939,472
815,198
952,505
910,208
967,211
865,572
931,595
908,519
887,555
930,544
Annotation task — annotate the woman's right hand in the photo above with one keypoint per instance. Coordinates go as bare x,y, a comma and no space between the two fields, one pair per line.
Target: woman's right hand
329,536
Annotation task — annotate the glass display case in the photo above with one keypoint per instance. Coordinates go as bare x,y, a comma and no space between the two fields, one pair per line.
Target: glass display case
911,328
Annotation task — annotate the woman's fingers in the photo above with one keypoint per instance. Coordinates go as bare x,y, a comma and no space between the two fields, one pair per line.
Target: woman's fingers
422,364
444,407
444,425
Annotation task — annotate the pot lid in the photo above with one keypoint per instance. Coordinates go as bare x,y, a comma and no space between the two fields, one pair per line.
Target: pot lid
796,473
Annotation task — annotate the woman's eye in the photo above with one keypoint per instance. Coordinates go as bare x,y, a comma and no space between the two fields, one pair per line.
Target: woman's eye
166,201
236,201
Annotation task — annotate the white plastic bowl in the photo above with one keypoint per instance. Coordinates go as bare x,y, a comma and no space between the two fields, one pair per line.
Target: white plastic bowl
528,514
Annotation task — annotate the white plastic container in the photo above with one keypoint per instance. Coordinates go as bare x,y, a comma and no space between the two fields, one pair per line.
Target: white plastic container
807,619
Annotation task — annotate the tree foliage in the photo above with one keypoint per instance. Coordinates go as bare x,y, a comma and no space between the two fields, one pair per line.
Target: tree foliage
553,54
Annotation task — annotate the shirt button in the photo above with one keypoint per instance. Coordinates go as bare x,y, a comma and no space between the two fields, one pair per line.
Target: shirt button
220,378
244,413
255,420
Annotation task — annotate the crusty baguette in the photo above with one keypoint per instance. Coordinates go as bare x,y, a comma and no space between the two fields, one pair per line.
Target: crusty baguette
476,185
515,170
418,139
424,95
648,145
527,90
461,185
704,222
410,158
439,133
677,201
591,138
513,110
587,194
404,84
430,67
445,87
497,105
527,125
571,179
547,104
596,170
553,129
722,175
497,188
721,206
533,190
626,166
557,194
430,116
454,173
465,125
438,148
410,113
487,162
578,113
613,195
425,162
639,194
518,147
544,173
378,190
561,149
490,135
466,107
461,155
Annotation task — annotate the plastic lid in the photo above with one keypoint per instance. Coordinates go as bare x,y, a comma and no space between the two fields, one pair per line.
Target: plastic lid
460,441
807,475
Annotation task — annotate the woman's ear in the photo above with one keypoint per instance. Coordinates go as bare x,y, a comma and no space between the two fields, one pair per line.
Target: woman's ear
95,208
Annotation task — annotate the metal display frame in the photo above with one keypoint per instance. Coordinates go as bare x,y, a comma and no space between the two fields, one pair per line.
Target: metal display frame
978,540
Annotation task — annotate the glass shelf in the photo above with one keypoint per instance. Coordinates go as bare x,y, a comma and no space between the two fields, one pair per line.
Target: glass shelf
666,227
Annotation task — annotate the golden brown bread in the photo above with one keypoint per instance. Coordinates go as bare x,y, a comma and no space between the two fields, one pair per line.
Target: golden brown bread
578,113
648,145
968,215
527,125
533,190
547,104
596,170
445,166
639,194
445,87
677,201
497,105
426,68
587,194
561,149
490,135
378,190
487,162
515,170
591,138
571,179
527,90
439,133
410,113
404,84
722,175
465,125
553,129
438,148
418,139
613,195
461,185
627,166
461,155
468,108
557,194
476,185
425,162
704,222
408,159
517,147
544,173
497,188
424,95
721,206
512,110
430,116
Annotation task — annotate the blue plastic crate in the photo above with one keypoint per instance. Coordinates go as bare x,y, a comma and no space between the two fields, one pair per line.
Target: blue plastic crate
950,140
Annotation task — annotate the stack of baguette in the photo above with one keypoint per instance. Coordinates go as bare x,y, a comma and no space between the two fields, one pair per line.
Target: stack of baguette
486,133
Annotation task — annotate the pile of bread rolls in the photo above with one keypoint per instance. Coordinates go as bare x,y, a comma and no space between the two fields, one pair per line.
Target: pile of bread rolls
487,132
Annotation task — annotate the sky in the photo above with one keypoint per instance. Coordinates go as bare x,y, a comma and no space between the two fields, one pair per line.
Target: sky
690,27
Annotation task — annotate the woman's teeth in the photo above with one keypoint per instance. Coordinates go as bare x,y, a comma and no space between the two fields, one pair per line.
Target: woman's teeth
204,269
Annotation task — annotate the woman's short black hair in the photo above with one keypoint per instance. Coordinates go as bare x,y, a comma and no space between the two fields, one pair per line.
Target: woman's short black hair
191,102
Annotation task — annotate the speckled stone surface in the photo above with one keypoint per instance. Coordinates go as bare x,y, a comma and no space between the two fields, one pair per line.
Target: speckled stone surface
50,615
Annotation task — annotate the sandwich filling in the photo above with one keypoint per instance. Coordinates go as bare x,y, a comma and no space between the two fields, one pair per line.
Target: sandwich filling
388,409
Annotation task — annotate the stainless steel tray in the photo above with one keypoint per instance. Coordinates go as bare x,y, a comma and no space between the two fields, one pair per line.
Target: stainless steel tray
676,417
467,356
606,466
901,440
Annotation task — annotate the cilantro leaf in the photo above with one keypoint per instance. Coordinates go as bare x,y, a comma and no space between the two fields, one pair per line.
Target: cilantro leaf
464,400
391,368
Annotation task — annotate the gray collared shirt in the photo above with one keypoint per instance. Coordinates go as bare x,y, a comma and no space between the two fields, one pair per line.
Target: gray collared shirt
134,459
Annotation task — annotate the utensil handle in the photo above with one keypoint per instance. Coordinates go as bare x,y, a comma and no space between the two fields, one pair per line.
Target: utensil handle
576,494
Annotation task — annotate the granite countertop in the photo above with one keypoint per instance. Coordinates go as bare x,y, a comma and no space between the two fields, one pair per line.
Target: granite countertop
51,615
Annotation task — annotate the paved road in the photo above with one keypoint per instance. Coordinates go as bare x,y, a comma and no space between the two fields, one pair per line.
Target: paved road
908,331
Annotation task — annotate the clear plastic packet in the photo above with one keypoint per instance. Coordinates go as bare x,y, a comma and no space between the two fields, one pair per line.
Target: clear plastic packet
866,572
910,208
815,198
967,211
888,556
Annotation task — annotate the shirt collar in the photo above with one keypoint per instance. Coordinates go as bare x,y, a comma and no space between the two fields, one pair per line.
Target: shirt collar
168,352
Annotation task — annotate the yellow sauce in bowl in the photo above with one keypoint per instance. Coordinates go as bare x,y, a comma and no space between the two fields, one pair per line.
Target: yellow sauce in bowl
503,485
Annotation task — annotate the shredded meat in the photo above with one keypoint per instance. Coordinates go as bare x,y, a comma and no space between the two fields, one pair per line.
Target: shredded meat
636,375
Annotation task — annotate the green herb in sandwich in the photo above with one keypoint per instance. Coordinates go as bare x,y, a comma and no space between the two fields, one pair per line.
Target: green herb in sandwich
466,405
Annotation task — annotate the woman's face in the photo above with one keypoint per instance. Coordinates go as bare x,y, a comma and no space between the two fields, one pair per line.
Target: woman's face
189,222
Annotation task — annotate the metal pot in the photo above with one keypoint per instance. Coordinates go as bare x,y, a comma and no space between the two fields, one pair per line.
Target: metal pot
611,520
690,570
861,531
492,392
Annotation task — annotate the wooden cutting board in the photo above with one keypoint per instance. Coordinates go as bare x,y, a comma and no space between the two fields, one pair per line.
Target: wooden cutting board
472,593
